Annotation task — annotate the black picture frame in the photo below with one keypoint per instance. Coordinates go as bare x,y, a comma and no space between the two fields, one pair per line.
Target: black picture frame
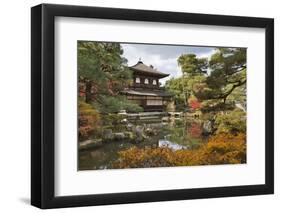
43,102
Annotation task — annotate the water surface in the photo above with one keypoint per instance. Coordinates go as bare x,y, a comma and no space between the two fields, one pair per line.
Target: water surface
178,134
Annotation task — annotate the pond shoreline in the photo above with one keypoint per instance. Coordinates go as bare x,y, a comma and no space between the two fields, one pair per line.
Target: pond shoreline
177,134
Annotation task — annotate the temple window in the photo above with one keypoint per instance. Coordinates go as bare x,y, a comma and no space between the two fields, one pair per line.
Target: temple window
146,81
137,80
154,82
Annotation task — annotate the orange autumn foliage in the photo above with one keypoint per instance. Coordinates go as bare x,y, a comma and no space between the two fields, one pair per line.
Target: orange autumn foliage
89,120
220,149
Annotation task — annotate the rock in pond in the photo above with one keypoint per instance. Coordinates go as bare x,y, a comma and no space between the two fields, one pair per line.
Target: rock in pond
139,133
107,134
165,119
88,144
150,131
119,135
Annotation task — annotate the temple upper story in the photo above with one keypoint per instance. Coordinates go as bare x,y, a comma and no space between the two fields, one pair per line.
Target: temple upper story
146,77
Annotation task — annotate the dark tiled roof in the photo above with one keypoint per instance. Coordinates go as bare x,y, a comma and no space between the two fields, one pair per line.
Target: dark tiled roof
141,67
147,93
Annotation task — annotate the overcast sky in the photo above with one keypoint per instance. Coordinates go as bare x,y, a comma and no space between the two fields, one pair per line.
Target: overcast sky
162,57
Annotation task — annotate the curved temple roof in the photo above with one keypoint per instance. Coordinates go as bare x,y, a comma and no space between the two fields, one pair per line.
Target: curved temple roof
141,67
147,93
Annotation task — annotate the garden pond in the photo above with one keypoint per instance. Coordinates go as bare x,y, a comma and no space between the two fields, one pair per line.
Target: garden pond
176,134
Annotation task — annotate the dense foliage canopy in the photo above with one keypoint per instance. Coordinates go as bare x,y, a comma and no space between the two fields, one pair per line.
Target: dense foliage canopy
213,81
104,72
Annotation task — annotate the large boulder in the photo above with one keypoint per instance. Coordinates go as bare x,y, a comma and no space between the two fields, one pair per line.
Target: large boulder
150,131
139,131
88,144
119,136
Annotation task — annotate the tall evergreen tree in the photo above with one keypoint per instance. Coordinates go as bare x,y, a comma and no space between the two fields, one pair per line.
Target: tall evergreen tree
101,65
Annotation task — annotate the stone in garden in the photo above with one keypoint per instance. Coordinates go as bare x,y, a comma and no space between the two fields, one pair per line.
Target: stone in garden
150,131
139,133
165,119
124,121
130,126
207,127
129,135
107,134
119,136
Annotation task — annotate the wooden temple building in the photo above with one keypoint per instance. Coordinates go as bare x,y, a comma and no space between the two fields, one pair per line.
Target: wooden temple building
145,89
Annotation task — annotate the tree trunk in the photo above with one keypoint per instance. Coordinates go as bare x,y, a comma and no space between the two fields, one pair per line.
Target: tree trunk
88,92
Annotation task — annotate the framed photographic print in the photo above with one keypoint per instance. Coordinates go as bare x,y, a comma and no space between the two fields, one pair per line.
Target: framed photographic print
139,106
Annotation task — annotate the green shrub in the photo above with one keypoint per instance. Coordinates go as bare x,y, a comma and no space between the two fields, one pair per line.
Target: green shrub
113,104
231,122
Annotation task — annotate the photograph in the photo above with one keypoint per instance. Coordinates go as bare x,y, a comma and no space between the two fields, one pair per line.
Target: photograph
134,105
160,105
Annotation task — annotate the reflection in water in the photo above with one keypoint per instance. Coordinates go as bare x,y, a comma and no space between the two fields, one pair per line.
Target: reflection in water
169,144
176,135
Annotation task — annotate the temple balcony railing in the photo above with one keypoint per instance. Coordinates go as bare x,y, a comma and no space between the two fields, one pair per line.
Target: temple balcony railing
145,87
